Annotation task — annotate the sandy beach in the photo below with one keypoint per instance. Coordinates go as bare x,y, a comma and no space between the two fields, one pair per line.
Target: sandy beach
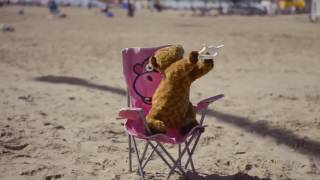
62,86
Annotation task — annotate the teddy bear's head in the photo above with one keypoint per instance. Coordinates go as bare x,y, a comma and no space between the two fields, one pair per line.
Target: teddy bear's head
164,57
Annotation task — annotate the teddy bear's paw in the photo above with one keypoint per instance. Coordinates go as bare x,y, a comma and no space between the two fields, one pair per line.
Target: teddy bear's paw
193,57
209,63
157,127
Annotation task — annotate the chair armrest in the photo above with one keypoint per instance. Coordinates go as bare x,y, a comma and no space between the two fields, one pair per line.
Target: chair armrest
203,104
130,113
134,114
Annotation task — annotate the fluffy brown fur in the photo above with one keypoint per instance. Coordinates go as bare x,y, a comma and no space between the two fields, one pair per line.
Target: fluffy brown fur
171,106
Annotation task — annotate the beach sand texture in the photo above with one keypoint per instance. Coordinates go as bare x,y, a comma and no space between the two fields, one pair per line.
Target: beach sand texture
62,86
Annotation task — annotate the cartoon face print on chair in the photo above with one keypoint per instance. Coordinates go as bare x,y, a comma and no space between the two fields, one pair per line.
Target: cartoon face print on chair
146,81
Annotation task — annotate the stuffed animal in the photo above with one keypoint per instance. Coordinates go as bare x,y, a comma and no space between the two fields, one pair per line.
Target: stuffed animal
171,106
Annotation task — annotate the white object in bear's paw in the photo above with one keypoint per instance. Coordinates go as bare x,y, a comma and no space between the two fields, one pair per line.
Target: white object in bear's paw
209,52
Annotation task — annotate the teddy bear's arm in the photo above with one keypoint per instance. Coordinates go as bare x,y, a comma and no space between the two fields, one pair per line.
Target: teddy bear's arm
201,68
182,68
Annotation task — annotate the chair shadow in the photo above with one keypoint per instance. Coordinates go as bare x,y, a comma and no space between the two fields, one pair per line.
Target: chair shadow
282,136
79,82
237,176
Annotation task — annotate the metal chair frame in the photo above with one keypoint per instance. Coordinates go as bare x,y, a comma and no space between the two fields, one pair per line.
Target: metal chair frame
156,146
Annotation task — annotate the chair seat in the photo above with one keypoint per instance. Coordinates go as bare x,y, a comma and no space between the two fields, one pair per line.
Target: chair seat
172,136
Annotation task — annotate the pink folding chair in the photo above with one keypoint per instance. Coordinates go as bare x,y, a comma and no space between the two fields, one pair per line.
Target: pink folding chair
142,81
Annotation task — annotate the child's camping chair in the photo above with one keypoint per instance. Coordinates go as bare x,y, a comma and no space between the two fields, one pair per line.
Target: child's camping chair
142,80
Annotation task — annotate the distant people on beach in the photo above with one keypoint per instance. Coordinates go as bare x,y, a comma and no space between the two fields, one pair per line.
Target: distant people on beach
54,9
6,28
157,6
131,8
104,8
106,11
20,12
150,5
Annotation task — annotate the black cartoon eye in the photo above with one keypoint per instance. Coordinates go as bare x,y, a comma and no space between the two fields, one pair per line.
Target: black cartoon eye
149,67
149,78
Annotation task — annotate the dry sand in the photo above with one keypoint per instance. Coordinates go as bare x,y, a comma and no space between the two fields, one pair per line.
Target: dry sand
62,85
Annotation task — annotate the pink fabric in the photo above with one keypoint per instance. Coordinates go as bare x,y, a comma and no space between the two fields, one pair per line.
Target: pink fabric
130,113
141,83
173,136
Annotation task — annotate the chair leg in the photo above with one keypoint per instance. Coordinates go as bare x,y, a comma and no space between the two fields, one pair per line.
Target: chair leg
138,158
164,159
190,157
176,163
130,155
179,152
148,158
182,153
193,149
172,159
203,115
144,152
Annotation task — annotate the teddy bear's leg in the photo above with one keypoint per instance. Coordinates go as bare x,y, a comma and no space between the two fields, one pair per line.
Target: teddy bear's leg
156,126
190,120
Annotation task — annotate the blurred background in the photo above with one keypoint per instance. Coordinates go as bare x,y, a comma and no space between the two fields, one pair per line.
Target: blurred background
61,86
260,7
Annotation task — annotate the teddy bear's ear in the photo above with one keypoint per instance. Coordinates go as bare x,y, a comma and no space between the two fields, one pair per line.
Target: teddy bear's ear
153,61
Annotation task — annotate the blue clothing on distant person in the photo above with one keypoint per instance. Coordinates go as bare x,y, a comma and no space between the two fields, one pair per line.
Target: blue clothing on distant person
53,7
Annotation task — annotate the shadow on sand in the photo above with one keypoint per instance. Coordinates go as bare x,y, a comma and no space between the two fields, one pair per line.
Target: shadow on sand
79,82
237,176
261,128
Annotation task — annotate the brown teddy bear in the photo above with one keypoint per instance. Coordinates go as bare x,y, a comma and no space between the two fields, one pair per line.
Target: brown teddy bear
171,106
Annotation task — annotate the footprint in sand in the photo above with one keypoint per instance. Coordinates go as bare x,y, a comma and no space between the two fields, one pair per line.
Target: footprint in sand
209,139
52,177
16,147
9,135
27,98
33,171
107,163
105,148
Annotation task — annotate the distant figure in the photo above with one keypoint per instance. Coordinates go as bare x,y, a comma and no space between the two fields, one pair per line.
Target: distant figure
20,12
157,6
53,7
150,5
131,9
89,4
104,8
194,11
109,14
6,28
54,10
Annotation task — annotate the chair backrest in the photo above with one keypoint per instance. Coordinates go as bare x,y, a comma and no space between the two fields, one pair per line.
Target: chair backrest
142,80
